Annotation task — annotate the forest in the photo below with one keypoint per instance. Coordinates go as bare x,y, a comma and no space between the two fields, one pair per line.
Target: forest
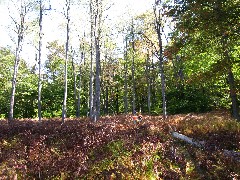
67,112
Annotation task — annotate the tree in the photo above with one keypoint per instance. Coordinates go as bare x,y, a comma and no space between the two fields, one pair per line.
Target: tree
133,71
91,63
96,20
125,78
159,28
20,30
211,24
64,108
41,9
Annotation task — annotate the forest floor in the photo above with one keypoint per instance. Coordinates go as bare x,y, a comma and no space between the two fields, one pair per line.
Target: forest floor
116,148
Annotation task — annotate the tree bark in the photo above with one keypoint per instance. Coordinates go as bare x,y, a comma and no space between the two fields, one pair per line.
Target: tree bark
75,84
97,83
148,84
231,80
39,63
79,92
125,80
106,100
20,33
64,108
97,12
233,95
133,74
158,27
91,63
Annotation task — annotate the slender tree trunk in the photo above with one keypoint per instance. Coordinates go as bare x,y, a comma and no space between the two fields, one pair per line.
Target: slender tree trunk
117,103
153,82
75,85
20,33
106,101
97,83
91,64
79,93
80,79
133,74
97,35
64,108
39,63
158,27
14,82
148,83
125,81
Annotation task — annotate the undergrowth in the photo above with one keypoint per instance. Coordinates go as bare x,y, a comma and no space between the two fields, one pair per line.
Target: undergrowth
116,148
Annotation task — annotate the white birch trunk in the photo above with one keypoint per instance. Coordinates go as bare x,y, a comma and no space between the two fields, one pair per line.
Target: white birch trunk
20,33
64,108
39,62
91,64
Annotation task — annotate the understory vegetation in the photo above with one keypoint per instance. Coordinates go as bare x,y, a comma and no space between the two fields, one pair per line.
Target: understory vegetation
116,148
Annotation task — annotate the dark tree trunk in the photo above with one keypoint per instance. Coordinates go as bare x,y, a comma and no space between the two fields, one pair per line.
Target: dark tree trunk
233,95
97,35
97,84
117,103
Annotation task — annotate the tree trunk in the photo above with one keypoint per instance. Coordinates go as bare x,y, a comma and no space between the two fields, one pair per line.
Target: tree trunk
91,64
20,33
75,84
158,27
97,34
106,101
117,103
79,93
148,83
39,63
231,81
233,95
133,74
14,82
97,83
64,108
125,81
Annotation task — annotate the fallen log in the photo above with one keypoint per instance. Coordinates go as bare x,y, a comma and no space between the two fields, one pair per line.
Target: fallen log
189,140
201,144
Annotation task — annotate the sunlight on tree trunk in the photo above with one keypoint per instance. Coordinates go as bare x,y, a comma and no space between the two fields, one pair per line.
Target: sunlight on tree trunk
64,108
39,61
158,27
20,34
91,63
